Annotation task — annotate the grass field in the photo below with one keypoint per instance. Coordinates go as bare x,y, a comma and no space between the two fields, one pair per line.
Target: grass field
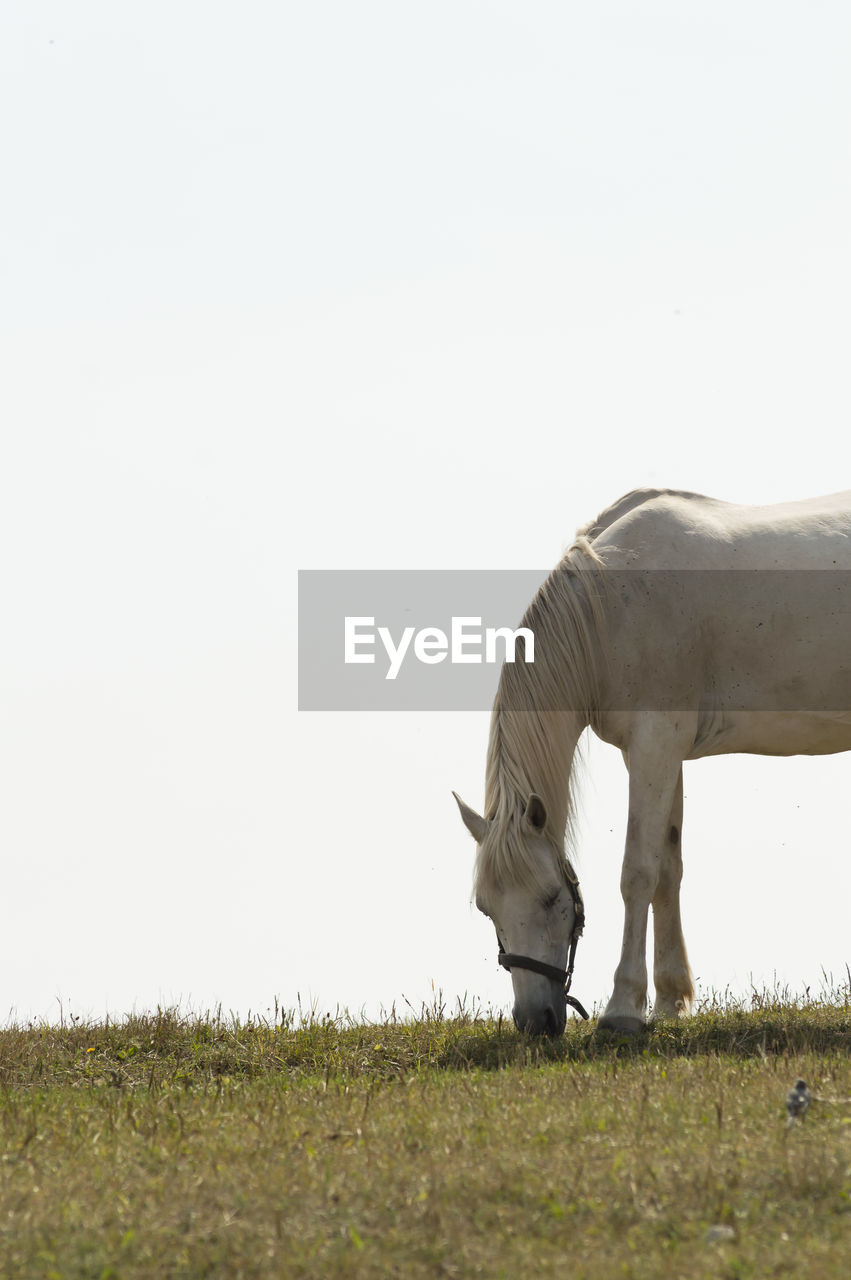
172,1145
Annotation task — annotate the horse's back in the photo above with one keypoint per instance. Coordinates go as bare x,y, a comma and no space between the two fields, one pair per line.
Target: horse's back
675,529
759,657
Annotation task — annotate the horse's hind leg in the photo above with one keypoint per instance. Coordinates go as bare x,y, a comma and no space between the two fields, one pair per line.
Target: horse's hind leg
671,972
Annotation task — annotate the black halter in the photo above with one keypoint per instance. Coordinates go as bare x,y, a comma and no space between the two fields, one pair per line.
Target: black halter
510,961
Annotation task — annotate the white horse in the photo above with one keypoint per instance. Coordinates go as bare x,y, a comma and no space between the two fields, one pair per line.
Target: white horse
676,626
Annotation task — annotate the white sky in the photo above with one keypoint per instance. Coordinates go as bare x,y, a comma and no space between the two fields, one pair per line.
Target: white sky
382,286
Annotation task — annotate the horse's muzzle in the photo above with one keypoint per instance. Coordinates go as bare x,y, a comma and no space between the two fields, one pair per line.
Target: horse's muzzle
544,1020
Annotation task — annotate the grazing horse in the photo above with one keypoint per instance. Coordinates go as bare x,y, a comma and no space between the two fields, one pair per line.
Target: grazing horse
677,626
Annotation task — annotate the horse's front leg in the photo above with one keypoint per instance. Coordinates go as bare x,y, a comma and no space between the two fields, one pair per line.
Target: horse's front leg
671,972
654,760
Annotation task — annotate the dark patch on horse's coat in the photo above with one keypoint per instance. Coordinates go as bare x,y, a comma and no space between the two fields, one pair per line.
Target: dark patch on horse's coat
674,835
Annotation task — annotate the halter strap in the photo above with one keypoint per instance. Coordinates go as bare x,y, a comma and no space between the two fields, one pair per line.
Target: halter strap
509,960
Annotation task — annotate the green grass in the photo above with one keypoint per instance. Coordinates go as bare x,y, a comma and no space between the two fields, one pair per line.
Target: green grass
174,1145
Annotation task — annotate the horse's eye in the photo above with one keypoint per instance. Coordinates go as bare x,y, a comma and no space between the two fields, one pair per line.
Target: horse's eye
550,900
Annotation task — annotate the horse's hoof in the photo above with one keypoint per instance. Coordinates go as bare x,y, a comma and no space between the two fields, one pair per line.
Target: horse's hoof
620,1023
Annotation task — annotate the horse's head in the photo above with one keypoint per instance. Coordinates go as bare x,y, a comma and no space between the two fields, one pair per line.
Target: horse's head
528,889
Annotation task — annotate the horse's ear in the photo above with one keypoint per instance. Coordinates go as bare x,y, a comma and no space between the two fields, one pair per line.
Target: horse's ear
535,812
473,821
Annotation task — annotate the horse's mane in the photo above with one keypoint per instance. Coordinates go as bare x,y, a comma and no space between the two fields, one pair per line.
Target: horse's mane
539,710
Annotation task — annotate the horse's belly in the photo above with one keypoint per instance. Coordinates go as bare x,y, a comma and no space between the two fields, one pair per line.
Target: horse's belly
772,733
